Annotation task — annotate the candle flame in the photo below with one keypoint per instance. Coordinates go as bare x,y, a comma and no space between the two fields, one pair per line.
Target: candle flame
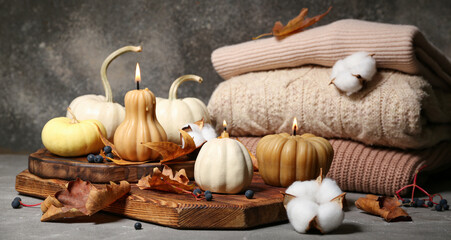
137,73
295,124
224,124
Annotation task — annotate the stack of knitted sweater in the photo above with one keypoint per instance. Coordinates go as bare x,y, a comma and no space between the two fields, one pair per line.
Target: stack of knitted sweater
399,121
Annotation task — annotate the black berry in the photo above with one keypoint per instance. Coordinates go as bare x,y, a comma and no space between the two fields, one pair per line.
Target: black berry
110,155
438,207
107,149
446,207
208,191
197,191
208,196
443,202
15,203
430,204
138,226
18,199
91,158
419,203
98,159
249,194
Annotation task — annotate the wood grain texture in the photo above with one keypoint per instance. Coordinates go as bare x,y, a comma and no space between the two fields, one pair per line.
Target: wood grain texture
47,165
181,210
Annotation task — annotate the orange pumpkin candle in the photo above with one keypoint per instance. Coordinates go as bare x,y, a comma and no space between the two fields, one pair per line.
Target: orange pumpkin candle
283,159
139,126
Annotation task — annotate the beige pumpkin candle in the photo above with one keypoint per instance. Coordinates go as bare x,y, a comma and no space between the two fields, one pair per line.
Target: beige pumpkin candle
284,158
139,126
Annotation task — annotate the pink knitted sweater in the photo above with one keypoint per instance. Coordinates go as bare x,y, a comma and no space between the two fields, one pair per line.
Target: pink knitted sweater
398,47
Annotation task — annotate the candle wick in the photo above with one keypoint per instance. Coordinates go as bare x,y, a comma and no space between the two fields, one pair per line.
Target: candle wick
225,129
294,131
137,85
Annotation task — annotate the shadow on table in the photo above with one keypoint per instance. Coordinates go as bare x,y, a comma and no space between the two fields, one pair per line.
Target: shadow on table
98,218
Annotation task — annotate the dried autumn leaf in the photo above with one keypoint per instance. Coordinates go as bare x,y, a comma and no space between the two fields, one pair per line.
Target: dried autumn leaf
81,199
171,151
166,181
108,143
295,25
385,207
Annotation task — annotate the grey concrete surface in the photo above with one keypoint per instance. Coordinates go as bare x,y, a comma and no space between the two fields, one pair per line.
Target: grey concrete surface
25,223
51,51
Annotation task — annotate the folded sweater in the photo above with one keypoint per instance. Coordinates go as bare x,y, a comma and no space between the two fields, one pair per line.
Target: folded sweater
394,109
360,168
399,47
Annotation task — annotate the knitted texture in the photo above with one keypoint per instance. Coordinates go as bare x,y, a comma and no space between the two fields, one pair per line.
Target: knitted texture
360,168
394,109
399,47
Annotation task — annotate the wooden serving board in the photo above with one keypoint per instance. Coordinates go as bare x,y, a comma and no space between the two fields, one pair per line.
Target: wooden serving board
47,165
181,210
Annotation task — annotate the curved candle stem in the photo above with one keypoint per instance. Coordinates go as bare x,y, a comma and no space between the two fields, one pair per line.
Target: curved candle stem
106,63
175,85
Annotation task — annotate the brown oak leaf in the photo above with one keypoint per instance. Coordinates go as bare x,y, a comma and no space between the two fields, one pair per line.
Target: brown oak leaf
81,198
295,25
385,207
166,181
171,151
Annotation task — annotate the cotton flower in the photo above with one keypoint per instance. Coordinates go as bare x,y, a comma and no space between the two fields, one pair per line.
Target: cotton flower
315,204
199,135
348,74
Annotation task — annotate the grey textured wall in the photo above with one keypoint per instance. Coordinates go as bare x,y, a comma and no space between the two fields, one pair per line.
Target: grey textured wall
51,51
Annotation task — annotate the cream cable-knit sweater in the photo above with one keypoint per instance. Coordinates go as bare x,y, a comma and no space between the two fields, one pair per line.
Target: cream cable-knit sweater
394,109
398,47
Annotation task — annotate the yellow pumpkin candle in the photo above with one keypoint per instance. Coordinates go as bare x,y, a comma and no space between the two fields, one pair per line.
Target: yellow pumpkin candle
283,158
139,126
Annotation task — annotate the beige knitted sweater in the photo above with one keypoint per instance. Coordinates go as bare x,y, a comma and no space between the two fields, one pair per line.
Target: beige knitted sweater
398,47
395,109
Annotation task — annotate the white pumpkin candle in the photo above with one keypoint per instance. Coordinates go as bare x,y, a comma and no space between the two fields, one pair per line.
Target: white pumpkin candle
223,166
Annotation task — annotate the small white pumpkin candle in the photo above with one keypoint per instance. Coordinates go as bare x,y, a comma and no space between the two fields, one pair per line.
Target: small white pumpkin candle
223,166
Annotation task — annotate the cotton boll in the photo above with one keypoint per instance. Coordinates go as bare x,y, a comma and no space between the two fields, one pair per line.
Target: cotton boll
304,189
330,216
327,191
208,132
338,67
347,83
195,133
300,212
361,63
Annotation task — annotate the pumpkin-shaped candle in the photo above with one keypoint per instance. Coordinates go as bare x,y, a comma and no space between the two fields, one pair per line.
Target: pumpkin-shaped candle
283,158
139,126
223,166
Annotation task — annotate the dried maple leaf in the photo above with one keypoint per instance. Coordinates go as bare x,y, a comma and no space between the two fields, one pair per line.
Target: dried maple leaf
295,25
166,181
385,207
81,199
171,151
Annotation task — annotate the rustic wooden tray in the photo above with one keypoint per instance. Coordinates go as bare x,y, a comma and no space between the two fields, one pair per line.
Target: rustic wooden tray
44,164
168,209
